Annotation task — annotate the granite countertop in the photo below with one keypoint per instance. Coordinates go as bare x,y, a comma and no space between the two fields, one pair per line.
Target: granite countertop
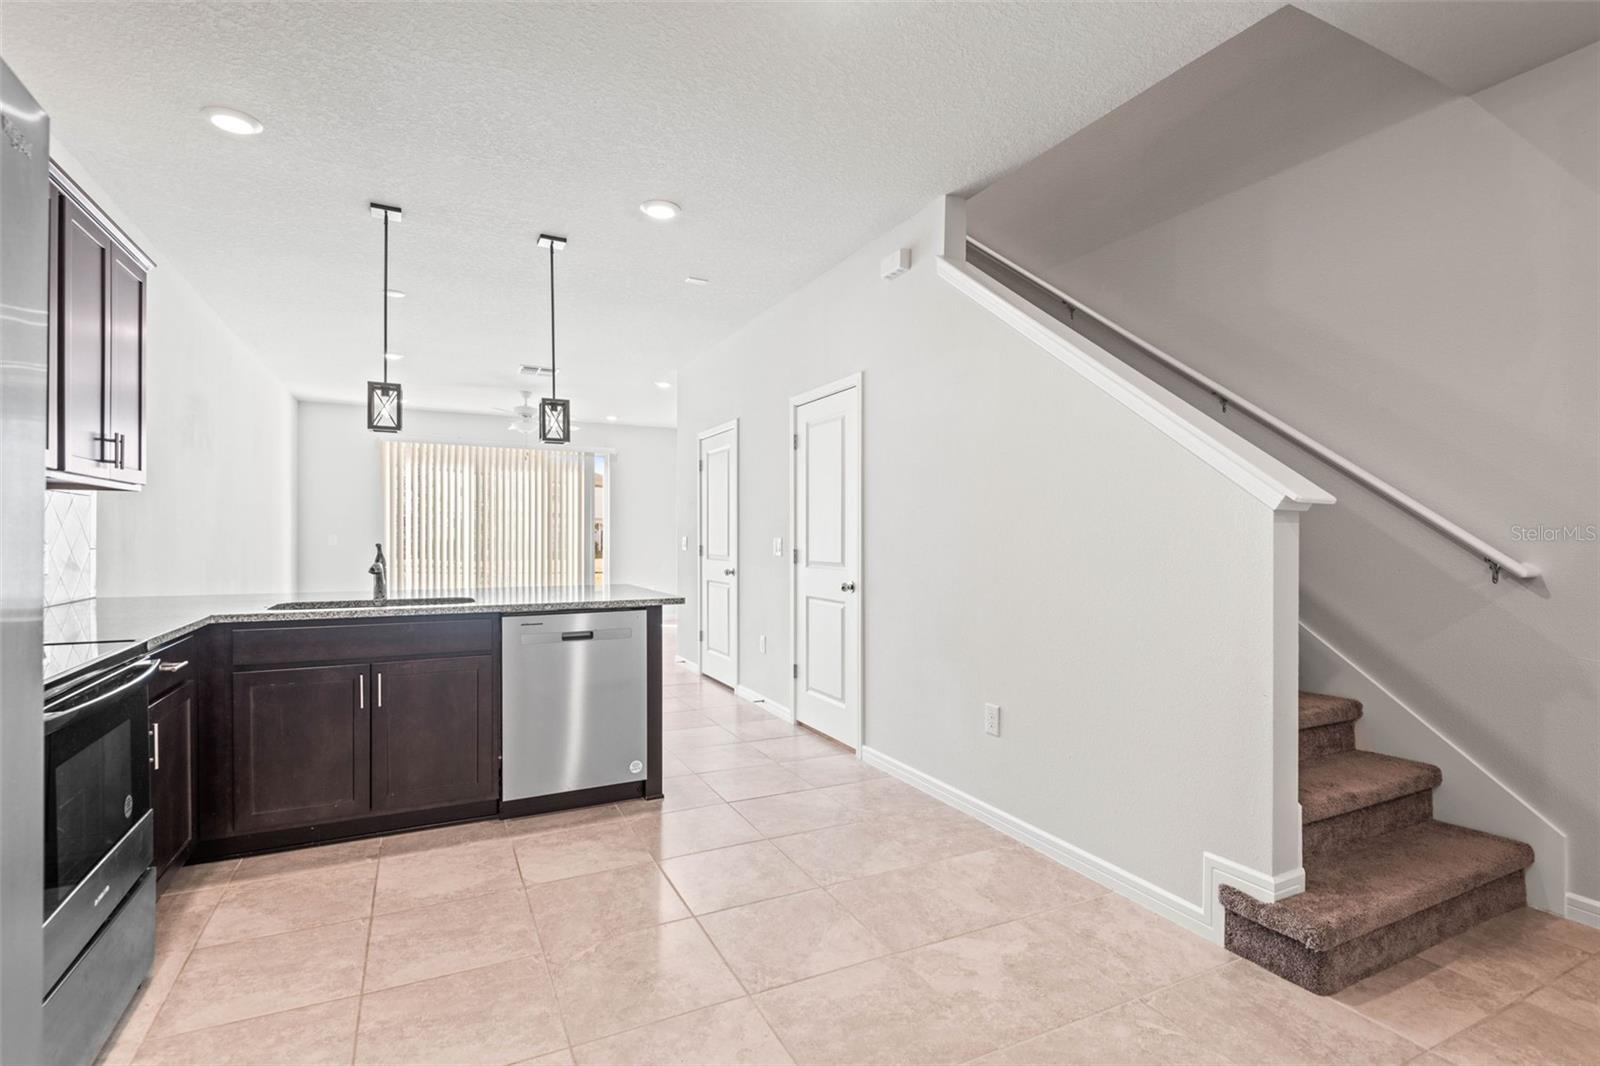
89,632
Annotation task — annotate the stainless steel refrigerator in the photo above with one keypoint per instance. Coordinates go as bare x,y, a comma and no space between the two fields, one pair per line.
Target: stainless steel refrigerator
24,293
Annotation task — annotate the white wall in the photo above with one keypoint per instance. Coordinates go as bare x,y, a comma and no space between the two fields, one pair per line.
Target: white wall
341,494
1422,298
217,513
1028,541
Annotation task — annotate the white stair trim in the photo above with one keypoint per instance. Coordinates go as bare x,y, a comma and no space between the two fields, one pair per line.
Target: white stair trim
1262,476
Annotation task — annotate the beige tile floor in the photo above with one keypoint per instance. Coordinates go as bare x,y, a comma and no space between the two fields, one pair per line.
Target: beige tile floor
783,904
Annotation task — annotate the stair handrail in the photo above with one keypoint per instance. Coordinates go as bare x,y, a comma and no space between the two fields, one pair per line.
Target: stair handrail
1497,560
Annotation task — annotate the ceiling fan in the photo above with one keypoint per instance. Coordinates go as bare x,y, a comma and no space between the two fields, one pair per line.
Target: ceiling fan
526,416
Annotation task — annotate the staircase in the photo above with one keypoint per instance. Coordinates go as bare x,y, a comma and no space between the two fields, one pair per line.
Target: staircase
1384,881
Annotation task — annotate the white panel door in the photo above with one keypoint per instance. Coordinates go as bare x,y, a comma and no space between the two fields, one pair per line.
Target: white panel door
719,555
827,509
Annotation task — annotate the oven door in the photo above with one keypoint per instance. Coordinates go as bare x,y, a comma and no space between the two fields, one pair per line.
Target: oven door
97,832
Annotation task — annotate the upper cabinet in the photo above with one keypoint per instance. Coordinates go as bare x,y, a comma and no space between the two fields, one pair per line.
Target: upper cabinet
95,426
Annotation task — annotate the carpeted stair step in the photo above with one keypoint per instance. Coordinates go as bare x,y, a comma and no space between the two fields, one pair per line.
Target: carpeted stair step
1371,905
1327,724
1352,796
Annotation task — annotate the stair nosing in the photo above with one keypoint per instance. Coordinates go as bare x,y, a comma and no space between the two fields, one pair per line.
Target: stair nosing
1409,778
1287,917
1349,710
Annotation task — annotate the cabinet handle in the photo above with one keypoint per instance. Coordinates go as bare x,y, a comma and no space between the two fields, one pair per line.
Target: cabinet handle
155,746
172,668
361,682
380,688
122,438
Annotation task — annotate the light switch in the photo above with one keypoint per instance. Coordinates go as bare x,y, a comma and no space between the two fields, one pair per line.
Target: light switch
683,544
777,547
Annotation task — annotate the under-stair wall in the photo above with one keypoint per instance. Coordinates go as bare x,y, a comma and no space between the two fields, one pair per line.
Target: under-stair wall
1417,291
1044,530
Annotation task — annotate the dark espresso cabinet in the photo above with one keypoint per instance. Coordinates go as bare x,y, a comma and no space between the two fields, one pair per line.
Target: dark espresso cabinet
301,742
172,719
433,732
95,422
332,730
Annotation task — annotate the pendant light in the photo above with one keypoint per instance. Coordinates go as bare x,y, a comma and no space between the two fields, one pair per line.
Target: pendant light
555,422
383,397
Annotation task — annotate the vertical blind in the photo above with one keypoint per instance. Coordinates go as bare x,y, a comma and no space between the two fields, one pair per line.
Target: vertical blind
462,516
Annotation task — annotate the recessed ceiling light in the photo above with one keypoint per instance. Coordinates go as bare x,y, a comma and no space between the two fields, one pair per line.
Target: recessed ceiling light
394,294
611,418
663,384
237,123
692,280
660,210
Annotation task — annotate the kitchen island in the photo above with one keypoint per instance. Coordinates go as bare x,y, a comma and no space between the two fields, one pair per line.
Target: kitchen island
343,716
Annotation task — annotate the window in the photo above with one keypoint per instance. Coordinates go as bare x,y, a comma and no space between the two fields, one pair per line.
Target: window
462,516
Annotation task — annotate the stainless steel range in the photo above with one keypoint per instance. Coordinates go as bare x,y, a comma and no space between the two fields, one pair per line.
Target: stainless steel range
99,887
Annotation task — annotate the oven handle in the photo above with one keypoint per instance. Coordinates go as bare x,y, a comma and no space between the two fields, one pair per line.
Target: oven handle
149,667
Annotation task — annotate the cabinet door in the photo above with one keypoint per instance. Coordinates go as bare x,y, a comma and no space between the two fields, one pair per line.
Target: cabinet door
433,732
125,369
171,773
301,747
84,309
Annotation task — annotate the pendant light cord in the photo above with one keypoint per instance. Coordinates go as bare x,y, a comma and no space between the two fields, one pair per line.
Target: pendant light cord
385,297
552,320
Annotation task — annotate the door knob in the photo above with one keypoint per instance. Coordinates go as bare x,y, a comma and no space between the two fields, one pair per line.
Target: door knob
728,572
848,586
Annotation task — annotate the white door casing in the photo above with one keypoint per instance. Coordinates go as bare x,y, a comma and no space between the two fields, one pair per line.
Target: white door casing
826,536
719,553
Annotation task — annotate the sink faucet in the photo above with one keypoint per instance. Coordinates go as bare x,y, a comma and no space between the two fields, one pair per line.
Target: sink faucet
380,576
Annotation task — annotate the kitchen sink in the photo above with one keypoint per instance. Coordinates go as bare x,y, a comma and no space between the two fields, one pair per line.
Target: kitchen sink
404,601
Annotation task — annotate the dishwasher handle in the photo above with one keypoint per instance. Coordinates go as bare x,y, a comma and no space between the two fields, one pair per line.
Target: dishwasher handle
527,638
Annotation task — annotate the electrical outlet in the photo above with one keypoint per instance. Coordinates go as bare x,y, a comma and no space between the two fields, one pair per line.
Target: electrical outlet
991,719
683,544
762,640
777,547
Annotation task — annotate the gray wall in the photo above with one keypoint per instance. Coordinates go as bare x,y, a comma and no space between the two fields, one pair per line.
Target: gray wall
340,492
1416,287
1019,548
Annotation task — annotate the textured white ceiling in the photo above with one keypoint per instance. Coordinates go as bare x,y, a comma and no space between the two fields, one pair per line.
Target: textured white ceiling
791,135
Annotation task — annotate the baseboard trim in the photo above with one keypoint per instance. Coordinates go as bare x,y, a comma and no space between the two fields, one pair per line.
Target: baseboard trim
1204,917
1583,909
690,663
745,692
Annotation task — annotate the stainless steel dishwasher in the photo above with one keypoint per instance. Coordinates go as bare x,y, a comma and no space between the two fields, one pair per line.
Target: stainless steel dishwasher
573,705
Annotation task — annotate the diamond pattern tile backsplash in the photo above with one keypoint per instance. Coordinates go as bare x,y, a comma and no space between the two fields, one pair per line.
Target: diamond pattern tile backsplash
69,546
